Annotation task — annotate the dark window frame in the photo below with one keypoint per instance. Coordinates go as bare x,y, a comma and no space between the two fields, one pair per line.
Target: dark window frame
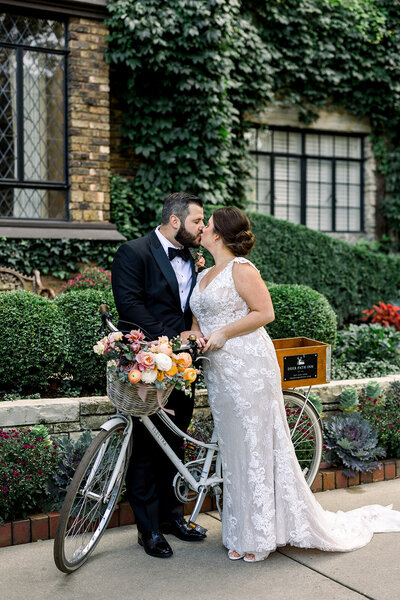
303,156
19,182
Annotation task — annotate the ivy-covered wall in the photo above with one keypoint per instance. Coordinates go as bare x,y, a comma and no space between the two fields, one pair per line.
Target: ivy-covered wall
191,71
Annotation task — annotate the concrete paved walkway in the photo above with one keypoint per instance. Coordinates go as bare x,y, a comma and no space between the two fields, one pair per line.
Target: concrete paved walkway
120,570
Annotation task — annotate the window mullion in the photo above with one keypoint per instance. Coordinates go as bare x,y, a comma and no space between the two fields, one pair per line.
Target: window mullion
272,167
362,186
333,194
20,113
303,180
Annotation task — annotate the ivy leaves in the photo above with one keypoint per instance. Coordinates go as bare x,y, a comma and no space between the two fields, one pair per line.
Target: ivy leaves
191,71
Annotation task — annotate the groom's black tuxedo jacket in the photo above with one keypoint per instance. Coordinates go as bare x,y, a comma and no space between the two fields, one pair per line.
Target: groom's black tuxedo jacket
146,289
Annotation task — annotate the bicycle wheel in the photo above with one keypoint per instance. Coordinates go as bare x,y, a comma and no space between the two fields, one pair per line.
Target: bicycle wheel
306,433
89,503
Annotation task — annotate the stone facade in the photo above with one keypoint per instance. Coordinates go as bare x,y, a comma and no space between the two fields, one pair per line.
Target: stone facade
89,121
332,121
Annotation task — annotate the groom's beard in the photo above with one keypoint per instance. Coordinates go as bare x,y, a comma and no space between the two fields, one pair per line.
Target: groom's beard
188,240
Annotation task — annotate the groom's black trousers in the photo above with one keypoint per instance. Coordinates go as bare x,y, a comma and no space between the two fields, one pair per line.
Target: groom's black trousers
151,473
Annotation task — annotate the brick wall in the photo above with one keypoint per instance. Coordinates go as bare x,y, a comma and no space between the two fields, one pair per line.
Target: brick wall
89,121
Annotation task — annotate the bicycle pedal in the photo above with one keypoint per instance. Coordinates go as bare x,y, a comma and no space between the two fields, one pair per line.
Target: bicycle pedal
196,527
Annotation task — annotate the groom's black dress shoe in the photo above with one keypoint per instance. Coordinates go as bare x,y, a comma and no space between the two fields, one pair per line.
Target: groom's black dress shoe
155,544
179,529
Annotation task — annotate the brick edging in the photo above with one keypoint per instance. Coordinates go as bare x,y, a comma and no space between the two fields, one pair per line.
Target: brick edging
333,479
43,526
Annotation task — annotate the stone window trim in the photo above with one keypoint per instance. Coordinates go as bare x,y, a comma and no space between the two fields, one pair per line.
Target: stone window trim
25,229
93,9
303,155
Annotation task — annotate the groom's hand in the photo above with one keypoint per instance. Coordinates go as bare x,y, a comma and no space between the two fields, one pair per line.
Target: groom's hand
185,335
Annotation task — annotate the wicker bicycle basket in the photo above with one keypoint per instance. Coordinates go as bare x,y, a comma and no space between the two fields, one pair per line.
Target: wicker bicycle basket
137,399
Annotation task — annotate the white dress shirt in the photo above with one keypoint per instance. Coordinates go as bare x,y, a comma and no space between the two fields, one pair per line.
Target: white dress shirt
182,269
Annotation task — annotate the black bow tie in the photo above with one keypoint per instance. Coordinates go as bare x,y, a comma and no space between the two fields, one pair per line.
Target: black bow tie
180,252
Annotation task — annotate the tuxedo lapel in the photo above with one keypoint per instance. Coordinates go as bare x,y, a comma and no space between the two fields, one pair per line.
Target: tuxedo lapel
194,278
164,263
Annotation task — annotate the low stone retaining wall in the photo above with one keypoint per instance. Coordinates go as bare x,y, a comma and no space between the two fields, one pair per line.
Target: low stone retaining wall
72,416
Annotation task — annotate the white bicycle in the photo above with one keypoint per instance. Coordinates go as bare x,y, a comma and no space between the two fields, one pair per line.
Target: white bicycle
96,486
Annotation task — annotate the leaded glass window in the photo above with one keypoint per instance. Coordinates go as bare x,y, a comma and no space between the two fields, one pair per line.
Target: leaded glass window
309,177
33,153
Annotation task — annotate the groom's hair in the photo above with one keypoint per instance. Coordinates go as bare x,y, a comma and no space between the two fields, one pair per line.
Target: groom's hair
178,204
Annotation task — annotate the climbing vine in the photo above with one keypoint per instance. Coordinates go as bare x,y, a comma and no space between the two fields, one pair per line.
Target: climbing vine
190,71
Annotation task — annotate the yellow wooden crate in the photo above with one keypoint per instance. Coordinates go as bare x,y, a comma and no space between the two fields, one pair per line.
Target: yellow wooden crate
303,361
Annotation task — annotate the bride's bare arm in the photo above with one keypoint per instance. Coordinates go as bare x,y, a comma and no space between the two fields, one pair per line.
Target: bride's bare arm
254,292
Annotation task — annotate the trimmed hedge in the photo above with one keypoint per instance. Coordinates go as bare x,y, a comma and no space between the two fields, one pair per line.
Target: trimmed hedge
301,312
80,311
32,340
350,277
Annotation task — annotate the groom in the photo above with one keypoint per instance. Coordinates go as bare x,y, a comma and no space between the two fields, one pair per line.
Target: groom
152,279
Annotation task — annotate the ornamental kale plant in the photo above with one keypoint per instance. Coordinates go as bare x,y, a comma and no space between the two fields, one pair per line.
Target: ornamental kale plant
26,461
349,399
351,441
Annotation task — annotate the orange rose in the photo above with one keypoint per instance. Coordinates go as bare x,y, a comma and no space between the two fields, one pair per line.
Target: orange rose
184,360
147,359
190,374
134,375
160,375
173,371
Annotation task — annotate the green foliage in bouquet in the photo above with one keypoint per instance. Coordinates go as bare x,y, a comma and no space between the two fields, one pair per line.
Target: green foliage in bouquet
26,461
349,399
32,341
351,442
301,312
70,454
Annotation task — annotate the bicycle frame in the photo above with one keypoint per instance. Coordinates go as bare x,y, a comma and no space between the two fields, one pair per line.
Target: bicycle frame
201,486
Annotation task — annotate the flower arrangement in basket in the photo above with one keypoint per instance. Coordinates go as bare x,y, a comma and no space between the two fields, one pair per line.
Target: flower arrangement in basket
142,374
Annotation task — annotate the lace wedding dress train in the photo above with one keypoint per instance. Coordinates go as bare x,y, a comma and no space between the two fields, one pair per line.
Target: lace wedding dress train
267,502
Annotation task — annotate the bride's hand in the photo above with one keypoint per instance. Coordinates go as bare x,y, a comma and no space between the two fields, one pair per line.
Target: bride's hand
216,340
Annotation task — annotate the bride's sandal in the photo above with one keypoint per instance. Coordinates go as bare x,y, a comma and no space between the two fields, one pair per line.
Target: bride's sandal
233,555
255,557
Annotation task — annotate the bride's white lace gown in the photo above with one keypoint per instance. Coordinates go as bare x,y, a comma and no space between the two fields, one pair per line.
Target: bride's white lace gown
267,502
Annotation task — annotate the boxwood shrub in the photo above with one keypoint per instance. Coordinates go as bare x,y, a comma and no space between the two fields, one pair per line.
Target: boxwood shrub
32,341
80,310
350,277
301,312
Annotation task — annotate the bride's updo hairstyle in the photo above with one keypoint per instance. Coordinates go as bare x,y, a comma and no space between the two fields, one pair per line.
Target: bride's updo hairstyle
234,228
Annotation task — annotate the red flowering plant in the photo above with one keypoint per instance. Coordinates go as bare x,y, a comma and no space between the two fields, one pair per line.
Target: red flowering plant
91,278
384,314
27,457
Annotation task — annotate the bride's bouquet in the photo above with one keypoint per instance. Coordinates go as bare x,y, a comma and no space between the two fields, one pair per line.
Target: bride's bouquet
148,371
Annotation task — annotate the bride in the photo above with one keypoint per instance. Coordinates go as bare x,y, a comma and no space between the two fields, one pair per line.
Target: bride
267,502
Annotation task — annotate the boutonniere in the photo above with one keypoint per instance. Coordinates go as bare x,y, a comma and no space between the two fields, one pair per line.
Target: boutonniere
199,260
